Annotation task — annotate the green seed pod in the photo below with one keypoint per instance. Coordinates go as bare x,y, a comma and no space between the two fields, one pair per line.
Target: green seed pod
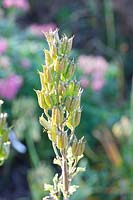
51,37
69,44
70,70
74,146
74,119
74,88
41,99
45,123
57,116
59,64
78,147
62,141
47,75
53,133
42,79
53,51
68,103
77,117
64,44
48,100
48,59
74,103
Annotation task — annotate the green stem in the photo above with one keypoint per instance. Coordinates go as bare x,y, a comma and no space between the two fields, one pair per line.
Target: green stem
110,24
65,176
32,151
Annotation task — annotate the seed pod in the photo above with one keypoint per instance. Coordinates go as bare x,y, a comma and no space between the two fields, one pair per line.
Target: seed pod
68,103
53,133
49,100
45,123
74,119
64,44
70,70
74,103
48,59
47,75
42,79
59,65
53,51
78,147
77,117
57,116
62,141
69,44
74,88
74,146
41,100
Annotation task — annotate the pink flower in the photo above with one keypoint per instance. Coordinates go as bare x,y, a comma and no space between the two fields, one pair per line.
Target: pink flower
25,63
21,4
95,67
84,81
37,29
10,86
3,45
97,84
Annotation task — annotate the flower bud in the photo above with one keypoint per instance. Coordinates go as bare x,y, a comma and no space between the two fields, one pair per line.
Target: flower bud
62,141
57,116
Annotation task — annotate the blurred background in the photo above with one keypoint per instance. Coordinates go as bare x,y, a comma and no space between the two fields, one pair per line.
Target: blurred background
103,51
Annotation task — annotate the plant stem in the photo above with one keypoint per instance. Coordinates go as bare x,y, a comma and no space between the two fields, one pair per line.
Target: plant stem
65,175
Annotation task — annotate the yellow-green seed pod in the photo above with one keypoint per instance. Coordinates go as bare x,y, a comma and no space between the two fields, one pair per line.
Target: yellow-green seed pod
48,59
74,146
47,75
62,141
69,44
68,103
53,51
74,103
70,70
53,133
74,119
42,79
74,88
41,99
78,147
57,116
48,100
64,44
61,89
59,65
77,117
45,123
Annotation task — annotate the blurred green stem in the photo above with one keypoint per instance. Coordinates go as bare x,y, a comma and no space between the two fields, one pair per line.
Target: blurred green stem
32,151
110,24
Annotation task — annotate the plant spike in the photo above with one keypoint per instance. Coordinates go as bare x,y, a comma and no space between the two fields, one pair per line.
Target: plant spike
59,98
4,132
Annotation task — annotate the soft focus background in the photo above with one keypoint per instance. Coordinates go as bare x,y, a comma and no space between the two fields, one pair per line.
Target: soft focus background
103,51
